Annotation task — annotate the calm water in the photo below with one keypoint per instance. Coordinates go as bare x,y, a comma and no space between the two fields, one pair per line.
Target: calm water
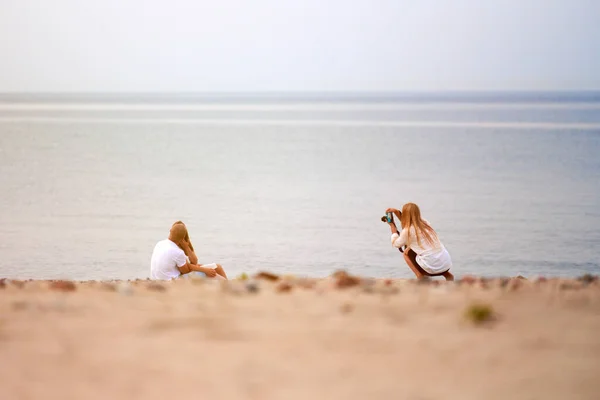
88,189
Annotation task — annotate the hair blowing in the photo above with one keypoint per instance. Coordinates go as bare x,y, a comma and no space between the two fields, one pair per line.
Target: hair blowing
411,216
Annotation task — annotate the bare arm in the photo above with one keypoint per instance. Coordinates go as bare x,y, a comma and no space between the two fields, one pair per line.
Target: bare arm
393,227
193,265
397,213
187,248
191,254
193,257
199,268
187,268
184,269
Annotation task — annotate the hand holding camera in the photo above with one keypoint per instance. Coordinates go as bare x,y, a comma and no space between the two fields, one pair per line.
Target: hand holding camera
388,217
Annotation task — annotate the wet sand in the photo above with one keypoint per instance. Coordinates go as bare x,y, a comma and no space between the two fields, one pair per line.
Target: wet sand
336,338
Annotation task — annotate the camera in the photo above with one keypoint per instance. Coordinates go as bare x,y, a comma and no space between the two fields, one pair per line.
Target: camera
387,218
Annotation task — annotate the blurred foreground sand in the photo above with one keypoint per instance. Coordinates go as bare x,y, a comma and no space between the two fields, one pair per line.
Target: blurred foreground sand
306,340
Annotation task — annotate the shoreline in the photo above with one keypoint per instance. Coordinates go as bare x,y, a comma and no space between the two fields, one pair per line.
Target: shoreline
291,277
459,280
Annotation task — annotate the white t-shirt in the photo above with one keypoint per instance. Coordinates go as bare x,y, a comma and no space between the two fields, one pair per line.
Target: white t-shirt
433,258
166,257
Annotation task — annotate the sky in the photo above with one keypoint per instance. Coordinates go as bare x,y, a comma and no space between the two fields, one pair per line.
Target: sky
302,45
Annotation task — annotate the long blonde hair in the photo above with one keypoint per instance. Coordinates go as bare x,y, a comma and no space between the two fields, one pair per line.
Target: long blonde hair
187,235
411,216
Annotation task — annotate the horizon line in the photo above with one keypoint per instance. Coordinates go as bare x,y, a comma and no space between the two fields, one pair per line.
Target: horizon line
310,96
337,92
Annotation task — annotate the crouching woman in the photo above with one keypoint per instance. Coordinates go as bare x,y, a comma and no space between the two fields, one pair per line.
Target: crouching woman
424,253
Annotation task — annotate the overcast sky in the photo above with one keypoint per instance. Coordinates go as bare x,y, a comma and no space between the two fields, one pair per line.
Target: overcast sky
301,45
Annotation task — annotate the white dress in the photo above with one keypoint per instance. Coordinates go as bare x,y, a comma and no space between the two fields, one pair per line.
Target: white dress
433,258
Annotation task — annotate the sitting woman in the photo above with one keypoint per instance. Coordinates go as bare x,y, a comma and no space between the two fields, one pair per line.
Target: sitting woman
424,253
188,249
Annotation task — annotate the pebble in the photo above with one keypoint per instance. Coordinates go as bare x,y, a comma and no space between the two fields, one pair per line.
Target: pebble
284,287
347,281
252,287
587,279
468,280
267,276
338,273
344,280
63,286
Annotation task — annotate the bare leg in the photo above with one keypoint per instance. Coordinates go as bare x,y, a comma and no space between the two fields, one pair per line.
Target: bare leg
448,276
220,271
411,259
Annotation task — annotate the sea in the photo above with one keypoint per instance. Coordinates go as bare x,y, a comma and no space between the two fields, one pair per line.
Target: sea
297,183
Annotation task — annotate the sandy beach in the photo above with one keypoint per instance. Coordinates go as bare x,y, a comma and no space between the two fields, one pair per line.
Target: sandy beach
289,338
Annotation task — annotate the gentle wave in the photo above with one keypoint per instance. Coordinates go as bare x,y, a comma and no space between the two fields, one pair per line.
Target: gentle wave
287,122
295,106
